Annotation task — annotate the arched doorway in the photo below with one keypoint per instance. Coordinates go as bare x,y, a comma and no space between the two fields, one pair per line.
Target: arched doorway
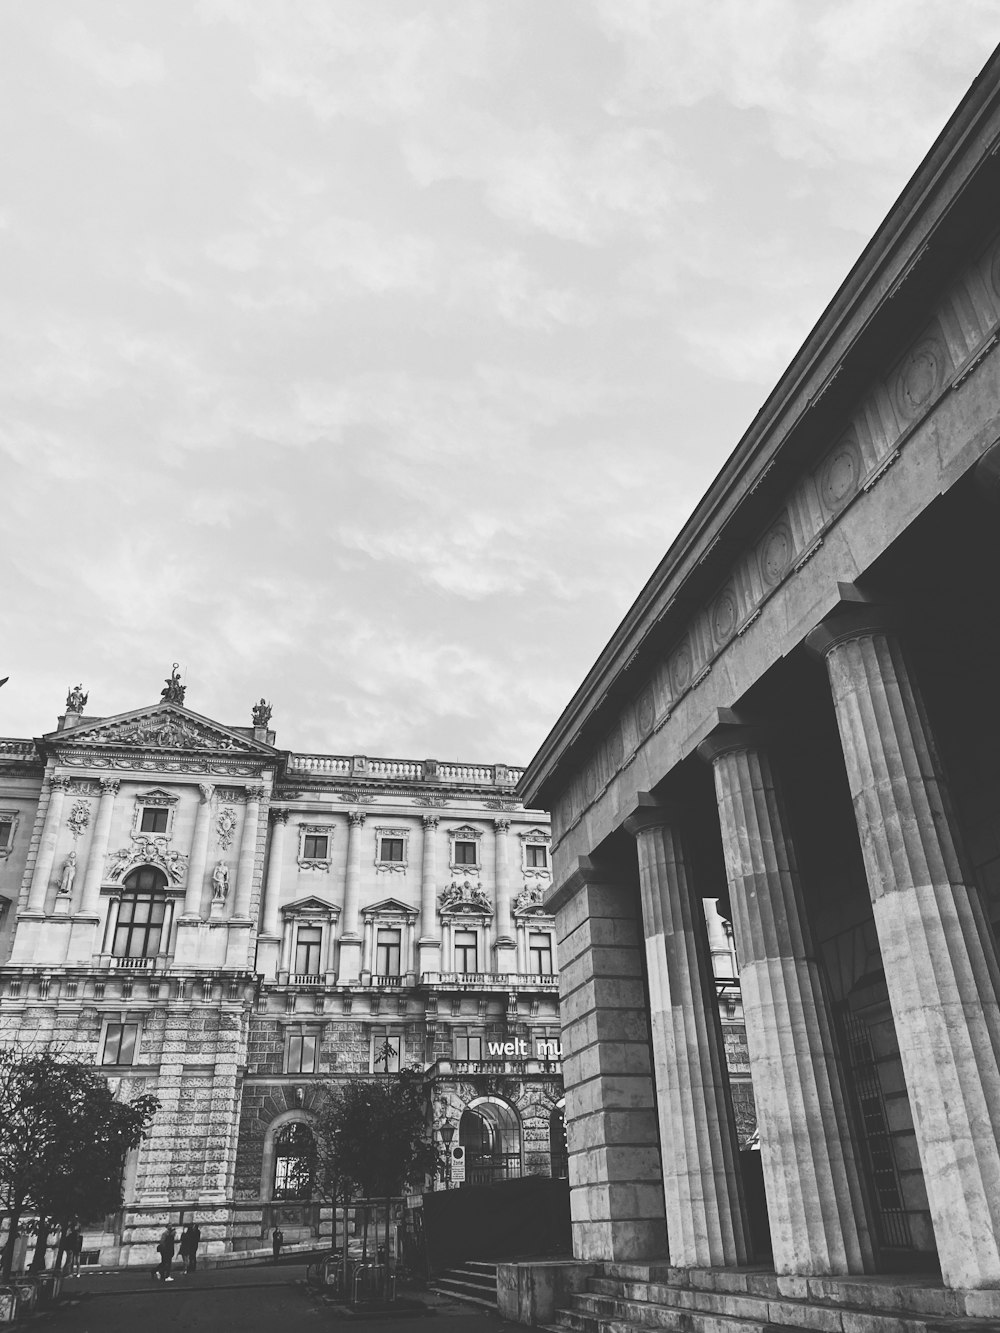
141,926
490,1133
558,1150
294,1163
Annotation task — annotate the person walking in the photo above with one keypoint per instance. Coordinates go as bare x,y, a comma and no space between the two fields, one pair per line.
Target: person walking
165,1249
193,1248
277,1240
73,1248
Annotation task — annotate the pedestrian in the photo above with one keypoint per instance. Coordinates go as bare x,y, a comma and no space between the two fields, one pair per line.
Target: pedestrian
193,1251
165,1249
73,1247
277,1240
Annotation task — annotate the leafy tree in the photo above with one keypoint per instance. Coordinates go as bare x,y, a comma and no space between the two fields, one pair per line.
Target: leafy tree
64,1138
372,1139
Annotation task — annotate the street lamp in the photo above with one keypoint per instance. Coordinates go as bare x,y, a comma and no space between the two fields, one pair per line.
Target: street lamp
447,1134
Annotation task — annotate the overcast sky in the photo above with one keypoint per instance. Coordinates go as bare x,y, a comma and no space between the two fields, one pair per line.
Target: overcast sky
367,356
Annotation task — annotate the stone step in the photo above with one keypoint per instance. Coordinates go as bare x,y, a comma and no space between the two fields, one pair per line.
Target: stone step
676,1320
462,1291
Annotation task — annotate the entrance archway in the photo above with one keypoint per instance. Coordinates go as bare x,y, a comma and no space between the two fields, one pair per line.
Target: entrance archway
490,1133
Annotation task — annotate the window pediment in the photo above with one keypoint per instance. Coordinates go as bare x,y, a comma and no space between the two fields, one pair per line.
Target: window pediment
311,906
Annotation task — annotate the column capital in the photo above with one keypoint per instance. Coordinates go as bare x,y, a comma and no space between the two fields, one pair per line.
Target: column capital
430,821
730,733
205,792
652,812
502,825
357,817
279,816
256,793
110,786
987,473
855,616
60,782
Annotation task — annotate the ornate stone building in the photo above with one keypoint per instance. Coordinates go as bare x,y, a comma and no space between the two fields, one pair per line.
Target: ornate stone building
226,924
797,716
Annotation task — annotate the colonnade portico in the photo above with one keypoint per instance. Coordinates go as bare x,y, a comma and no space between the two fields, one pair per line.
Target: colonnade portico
841,565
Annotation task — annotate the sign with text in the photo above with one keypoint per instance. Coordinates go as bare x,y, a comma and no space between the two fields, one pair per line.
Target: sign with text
521,1049
457,1165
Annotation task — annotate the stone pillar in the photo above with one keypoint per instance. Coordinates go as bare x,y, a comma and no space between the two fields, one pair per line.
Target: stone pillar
368,948
248,855
616,1187
814,1198
275,861
199,853
937,947
505,943
90,900
45,860
350,939
429,943
706,1215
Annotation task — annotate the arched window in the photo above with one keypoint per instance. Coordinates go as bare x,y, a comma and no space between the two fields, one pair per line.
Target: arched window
294,1160
558,1152
141,913
490,1133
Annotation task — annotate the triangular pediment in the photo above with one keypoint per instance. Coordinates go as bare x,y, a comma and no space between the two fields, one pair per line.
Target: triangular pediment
163,726
311,904
389,906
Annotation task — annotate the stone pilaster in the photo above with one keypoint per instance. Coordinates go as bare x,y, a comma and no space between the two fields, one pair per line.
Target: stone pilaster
937,948
97,858
199,852
45,860
429,943
814,1198
350,939
616,1188
275,861
248,855
505,944
703,1190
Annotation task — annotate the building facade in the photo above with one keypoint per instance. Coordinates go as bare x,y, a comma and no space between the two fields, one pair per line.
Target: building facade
227,925
796,717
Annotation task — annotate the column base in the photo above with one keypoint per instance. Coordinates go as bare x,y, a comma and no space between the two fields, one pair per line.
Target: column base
428,955
350,962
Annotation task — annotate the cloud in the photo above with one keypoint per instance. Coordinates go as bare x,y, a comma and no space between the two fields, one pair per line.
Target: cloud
117,64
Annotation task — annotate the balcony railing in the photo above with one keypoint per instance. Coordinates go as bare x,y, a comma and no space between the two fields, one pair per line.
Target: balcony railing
305,979
494,980
380,980
406,770
132,964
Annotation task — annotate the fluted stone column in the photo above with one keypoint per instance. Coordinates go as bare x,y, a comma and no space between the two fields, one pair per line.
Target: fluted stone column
616,1187
275,861
429,943
90,899
703,1189
506,945
937,948
350,940
45,860
199,852
814,1198
248,855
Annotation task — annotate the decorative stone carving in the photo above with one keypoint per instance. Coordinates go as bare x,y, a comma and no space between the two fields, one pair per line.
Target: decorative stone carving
681,668
79,818
645,712
529,901
76,700
841,473
68,876
161,732
725,616
173,691
261,713
225,827
920,377
220,882
59,783
149,851
111,785
466,897
776,552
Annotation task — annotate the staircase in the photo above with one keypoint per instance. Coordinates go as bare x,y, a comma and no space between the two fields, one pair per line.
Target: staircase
629,1298
474,1282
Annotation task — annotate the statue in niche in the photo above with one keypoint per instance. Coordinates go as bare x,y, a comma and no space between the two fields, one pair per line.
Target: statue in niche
220,883
76,700
173,690
261,713
68,876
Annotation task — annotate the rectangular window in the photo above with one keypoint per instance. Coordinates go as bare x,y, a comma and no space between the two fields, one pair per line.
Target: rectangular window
465,854
6,832
120,1041
386,1053
537,856
301,1051
315,846
466,951
540,955
468,1048
392,849
154,820
308,942
387,953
